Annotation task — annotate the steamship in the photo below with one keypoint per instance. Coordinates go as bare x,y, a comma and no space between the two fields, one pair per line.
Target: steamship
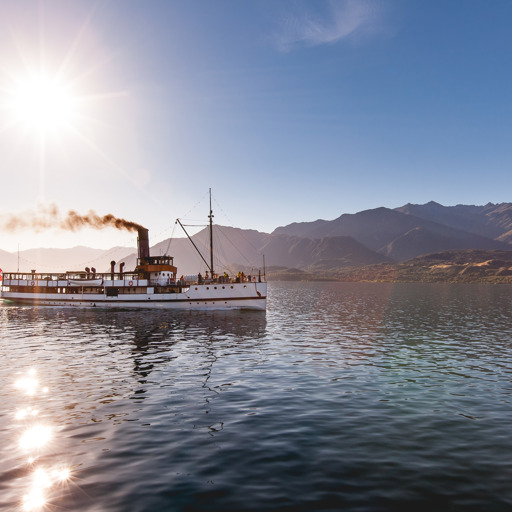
153,284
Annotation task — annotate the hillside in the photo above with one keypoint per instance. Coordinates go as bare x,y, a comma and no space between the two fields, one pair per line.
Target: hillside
318,254
469,266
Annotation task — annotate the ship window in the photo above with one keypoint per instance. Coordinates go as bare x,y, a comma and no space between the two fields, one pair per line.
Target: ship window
231,286
223,287
207,287
245,286
214,287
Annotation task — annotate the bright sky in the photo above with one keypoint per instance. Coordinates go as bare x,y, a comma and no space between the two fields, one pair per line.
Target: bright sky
289,110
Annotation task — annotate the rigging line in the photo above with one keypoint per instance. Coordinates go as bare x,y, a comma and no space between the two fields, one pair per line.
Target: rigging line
241,230
203,248
222,210
170,239
195,206
249,242
160,233
198,251
204,245
219,254
188,219
237,249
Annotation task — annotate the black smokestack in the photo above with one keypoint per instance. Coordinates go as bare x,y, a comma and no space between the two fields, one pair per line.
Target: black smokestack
143,242
112,266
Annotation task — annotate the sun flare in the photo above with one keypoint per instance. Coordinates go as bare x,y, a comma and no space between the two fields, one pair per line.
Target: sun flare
43,104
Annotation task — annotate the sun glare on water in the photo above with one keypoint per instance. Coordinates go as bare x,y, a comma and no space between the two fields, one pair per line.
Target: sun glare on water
35,440
42,479
35,437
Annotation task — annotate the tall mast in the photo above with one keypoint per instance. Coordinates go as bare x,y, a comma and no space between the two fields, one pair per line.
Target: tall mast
211,234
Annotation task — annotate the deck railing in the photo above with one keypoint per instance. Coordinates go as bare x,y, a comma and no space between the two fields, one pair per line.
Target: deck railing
36,279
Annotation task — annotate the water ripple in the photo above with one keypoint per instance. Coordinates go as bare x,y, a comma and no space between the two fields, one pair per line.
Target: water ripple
342,396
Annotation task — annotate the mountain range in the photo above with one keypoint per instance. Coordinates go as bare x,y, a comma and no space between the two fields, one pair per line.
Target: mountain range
413,230
376,236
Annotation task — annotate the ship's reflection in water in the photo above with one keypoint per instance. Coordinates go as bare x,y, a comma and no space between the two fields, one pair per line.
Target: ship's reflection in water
42,483
96,381
105,383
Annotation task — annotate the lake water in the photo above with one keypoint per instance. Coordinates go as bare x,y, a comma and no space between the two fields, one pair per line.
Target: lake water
342,396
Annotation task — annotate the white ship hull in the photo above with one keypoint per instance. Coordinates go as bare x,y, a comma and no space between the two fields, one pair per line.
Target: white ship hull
205,296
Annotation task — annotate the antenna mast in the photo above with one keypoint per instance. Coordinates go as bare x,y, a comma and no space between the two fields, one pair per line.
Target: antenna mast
211,234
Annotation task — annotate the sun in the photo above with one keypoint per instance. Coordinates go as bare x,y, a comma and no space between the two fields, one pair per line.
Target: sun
44,104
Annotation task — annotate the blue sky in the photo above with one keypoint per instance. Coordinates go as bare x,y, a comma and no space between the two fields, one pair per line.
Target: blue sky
288,110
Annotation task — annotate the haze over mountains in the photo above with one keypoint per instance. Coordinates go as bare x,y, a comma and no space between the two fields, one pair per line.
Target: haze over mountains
380,235
59,260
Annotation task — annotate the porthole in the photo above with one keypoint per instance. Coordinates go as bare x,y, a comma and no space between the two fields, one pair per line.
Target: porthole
207,287
223,287
245,286
231,286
